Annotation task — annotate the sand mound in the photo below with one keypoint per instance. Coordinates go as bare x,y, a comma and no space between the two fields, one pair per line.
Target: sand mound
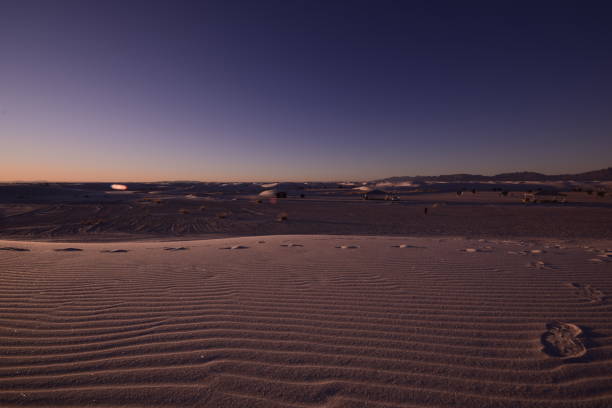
268,194
270,185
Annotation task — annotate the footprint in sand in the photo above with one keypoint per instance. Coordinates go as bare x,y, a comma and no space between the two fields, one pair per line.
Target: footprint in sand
291,245
235,247
563,340
14,249
114,251
539,265
347,246
588,292
175,248
68,250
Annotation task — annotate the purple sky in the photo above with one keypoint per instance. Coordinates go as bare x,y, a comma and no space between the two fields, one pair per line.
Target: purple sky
302,90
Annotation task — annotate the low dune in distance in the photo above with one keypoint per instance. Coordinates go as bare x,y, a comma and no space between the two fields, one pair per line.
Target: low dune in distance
307,320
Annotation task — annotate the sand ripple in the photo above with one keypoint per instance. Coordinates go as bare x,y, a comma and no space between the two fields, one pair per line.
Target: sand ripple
314,327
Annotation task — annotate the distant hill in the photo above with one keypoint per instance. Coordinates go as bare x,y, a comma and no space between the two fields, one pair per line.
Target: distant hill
596,175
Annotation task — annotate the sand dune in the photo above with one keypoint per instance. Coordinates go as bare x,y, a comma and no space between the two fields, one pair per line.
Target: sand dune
271,327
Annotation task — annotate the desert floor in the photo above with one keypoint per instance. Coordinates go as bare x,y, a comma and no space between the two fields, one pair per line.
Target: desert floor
309,320
60,214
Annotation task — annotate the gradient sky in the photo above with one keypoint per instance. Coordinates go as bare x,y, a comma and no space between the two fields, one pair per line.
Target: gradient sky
302,90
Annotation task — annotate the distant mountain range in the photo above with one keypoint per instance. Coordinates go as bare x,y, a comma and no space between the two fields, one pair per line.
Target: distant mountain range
596,175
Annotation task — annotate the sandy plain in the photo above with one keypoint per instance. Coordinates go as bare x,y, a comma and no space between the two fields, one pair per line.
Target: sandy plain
345,303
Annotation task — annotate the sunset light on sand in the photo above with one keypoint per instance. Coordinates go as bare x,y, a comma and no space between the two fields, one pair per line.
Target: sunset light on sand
305,204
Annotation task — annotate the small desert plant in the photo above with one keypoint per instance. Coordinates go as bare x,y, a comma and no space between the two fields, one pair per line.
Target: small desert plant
184,211
222,215
601,194
203,208
282,217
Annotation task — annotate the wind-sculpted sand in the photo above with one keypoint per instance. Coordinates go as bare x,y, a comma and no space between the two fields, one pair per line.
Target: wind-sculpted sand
310,326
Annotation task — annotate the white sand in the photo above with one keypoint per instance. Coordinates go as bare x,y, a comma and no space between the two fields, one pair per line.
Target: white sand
266,326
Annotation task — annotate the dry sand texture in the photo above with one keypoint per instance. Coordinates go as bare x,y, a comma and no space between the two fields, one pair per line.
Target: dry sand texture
63,213
296,321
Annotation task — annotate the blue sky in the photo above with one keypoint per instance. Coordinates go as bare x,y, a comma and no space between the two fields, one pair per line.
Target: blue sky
302,90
